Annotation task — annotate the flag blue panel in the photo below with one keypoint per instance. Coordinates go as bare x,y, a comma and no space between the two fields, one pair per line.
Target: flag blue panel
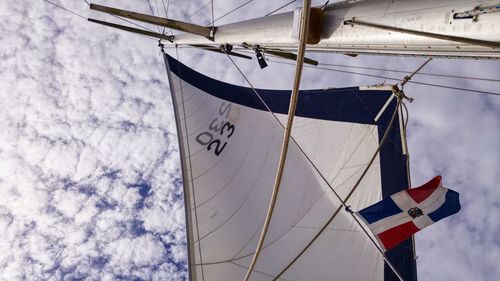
382,209
450,206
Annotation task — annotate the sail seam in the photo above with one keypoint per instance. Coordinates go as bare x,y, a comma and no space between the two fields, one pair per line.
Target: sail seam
236,257
232,177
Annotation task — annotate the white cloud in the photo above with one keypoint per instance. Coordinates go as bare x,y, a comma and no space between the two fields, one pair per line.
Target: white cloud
140,251
89,170
83,147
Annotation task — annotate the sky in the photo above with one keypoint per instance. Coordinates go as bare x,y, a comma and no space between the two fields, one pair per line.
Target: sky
90,184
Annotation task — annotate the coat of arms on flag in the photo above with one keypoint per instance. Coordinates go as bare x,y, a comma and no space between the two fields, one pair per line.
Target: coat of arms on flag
401,215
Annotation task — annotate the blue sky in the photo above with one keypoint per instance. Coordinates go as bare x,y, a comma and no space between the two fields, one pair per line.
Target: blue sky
89,172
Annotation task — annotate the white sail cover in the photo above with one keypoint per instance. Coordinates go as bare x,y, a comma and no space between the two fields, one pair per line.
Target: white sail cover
230,145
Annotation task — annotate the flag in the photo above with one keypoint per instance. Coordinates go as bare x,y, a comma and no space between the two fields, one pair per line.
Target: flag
401,215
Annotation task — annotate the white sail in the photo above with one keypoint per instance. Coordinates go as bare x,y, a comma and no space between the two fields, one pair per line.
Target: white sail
230,147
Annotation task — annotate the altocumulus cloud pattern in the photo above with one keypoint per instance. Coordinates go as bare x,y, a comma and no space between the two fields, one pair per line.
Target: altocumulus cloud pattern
90,185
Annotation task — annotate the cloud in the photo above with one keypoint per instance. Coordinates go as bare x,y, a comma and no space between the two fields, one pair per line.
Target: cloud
90,187
89,171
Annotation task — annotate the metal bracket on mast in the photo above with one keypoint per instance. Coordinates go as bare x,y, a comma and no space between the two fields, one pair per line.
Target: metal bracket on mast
489,44
223,49
474,14
276,52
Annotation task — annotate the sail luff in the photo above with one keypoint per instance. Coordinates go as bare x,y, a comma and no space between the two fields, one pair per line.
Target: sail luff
186,181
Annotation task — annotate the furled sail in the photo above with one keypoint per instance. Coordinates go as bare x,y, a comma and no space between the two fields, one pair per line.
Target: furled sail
229,149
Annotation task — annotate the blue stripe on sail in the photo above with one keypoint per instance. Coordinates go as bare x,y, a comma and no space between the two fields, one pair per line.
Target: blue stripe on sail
449,207
346,105
381,210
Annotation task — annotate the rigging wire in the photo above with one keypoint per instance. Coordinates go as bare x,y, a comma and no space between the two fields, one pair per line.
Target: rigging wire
456,88
128,21
395,79
315,167
386,70
230,12
406,71
66,9
344,204
165,9
197,11
233,10
312,164
166,12
79,15
388,77
407,78
284,6
213,15
237,8
400,96
323,177
150,7
131,22
156,6
317,170
428,84
153,13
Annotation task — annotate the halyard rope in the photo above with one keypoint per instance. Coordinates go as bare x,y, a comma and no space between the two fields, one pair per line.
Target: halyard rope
284,148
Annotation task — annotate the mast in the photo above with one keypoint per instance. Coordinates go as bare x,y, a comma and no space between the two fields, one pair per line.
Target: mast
437,28
280,32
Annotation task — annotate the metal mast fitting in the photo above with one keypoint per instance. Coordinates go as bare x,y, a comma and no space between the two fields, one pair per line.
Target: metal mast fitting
484,43
474,14
313,29
207,32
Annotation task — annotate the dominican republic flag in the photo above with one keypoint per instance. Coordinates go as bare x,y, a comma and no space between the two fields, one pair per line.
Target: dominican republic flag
396,218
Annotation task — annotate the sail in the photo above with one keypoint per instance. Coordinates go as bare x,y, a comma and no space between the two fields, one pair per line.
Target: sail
229,149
